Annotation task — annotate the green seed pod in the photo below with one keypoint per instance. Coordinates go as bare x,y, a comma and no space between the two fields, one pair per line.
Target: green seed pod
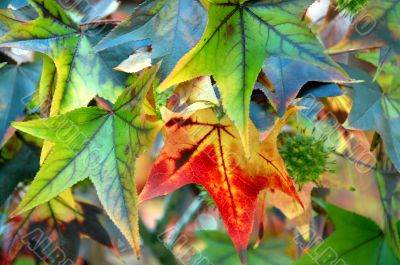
351,7
306,158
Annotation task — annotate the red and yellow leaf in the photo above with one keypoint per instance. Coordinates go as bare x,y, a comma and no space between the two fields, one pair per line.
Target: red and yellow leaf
207,151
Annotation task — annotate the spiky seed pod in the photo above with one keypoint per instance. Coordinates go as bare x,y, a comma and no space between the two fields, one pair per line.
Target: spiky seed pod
351,7
306,158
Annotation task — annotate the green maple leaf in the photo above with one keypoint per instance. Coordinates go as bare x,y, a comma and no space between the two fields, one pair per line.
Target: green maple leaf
99,144
357,240
173,26
82,73
220,251
238,37
377,25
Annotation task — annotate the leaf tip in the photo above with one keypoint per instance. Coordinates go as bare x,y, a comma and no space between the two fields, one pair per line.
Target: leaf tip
137,251
17,125
341,47
243,255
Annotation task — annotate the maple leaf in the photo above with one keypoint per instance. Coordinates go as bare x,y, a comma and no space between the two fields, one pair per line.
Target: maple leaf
52,231
376,106
173,26
238,37
356,240
206,151
377,25
82,73
289,76
100,144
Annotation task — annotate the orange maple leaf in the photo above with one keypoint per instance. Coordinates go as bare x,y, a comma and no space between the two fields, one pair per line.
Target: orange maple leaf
207,151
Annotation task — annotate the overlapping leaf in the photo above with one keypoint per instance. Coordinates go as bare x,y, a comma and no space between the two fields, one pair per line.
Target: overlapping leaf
190,97
357,240
52,232
173,26
288,76
377,25
238,37
100,144
204,150
82,72
18,82
377,108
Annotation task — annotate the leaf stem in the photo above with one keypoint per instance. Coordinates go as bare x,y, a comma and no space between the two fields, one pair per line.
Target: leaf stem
189,215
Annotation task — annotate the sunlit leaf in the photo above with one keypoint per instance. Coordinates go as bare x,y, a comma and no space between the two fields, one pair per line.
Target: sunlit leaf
206,151
190,97
82,72
102,145
238,38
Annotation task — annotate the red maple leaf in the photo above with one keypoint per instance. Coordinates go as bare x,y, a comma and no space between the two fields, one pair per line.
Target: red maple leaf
207,151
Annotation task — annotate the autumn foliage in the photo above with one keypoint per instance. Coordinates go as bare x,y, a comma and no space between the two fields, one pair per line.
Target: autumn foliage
285,122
